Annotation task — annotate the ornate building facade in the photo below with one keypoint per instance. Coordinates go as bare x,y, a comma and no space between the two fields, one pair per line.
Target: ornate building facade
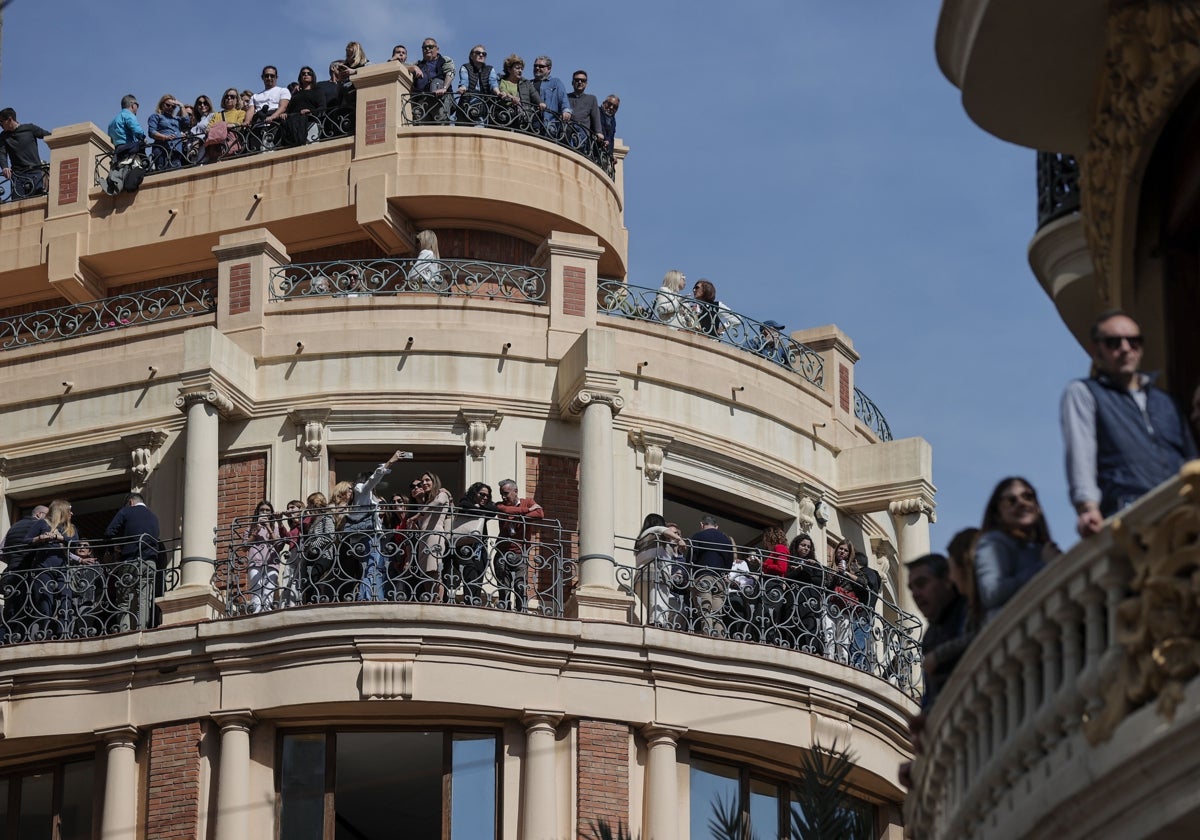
251,329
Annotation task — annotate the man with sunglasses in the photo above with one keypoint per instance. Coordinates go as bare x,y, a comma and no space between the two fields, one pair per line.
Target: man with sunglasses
1123,436
270,105
585,111
432,76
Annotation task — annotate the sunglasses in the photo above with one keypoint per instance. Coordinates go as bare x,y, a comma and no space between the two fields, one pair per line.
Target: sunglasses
478,53
270,75
1023,496
1113,342
229,96
579,81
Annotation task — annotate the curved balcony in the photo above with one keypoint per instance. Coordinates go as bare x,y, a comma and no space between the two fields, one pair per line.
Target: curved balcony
1057,186
445,278
869,413
1074,713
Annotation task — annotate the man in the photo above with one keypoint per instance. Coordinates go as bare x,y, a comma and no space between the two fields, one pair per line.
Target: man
338,85
432,76
864,615
125,132
945,609
19,555
134,533
584,109
608,119
474,78
553,93
270,104
711,559
512,547
20,160
769,343
1123,436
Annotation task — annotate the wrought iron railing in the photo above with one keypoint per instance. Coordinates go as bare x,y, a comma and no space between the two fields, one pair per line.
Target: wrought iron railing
812,609
84,589
487,111
684,313
243,141
866,411
165,303
335,555
1057,185
462,278
27,184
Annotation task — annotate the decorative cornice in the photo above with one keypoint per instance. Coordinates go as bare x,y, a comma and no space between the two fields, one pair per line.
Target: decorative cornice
143,454
1152,58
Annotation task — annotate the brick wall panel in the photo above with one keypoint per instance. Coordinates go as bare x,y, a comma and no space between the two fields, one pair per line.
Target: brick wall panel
553,481
602,791
173,796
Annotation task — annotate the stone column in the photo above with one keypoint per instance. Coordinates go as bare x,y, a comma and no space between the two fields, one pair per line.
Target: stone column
539,807
5,522
194,599
911,518
233,773
119,819
661,817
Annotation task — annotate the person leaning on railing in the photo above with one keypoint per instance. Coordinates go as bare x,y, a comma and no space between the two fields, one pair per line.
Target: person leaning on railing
845,592
1014,544
19,158
467,559
318,551
432,524
804,606
513,545
56,537
221,139
264,541
305,102
167,127
519,93
669,305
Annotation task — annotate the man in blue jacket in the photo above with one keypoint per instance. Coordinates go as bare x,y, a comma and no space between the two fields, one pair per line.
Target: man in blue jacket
134,532
1123,436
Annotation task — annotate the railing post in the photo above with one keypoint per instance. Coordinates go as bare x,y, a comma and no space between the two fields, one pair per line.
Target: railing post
244,263
73,153
539,813
839,357
570,261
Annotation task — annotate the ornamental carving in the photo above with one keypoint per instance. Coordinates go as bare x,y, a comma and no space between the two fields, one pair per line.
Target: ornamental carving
916,504
479,424
585,398
213,397
143,455
1151,59
654,452
1157,637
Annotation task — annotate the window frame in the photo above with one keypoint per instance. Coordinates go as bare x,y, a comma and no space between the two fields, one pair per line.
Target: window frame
56,766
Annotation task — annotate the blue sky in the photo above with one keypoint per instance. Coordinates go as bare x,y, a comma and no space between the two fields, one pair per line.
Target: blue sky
806,156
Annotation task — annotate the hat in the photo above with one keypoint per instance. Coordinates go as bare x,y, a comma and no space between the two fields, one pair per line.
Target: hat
775,325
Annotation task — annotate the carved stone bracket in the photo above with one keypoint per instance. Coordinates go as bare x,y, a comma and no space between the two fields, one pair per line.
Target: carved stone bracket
916,504
1156,650
220,401
654,449
387,670
478,424
143,455
311,423
1152,58
584,398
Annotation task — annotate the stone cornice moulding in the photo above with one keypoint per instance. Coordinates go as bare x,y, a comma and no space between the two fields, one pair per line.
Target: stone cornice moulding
876,498
1152,59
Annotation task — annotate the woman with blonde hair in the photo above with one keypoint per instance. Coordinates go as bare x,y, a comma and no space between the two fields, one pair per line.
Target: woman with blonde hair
432,524
355,57
845,592
56,536
318,550
167,126
669,305
427,267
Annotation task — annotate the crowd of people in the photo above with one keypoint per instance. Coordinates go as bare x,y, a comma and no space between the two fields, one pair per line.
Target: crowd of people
776,592
60,583
355,545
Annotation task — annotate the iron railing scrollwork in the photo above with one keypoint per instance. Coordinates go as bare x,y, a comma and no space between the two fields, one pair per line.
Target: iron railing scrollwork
447,278
488,111
331,558
25,184
84,589
165,303
869,413
1057,185
192,150
734,329
812,609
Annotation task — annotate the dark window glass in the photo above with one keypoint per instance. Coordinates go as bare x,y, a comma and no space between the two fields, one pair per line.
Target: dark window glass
75,812
764,809
37,792
473,786
389,784
714,788
302,786
3,809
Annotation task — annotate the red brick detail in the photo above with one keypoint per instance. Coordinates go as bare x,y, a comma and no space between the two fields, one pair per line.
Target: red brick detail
173,801
603,784
574,286
553,481
844,387
68,181
376,121
239,288
243,484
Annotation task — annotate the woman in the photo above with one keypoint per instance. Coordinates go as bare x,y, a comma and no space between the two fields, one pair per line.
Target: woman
961,554
167,126
291,527
845,591
202,111
1014,543
364,520
221,138
264,539
518,92
402,566
355,57
669,306
317,550
247,96
433,525
466,562
426,270
304,103
56,536
803,609
653,551
712,316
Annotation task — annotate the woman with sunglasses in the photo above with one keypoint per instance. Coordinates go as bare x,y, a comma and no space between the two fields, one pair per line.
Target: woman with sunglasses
222,138
167,126
1014,543
202,111
302,109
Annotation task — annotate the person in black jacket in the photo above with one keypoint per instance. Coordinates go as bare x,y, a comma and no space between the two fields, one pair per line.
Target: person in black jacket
864,657
946,610
134,534
467,560
18,555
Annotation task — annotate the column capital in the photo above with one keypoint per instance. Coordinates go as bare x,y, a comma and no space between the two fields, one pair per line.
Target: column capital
655,732
117,736
212,396
232,719
914,504
583,398
541,718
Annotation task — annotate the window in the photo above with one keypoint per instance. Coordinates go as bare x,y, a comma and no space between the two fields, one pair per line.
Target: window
724,795
33,802
415,785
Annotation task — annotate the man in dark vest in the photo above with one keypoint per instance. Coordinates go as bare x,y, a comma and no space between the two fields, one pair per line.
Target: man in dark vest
476,77
1123,436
